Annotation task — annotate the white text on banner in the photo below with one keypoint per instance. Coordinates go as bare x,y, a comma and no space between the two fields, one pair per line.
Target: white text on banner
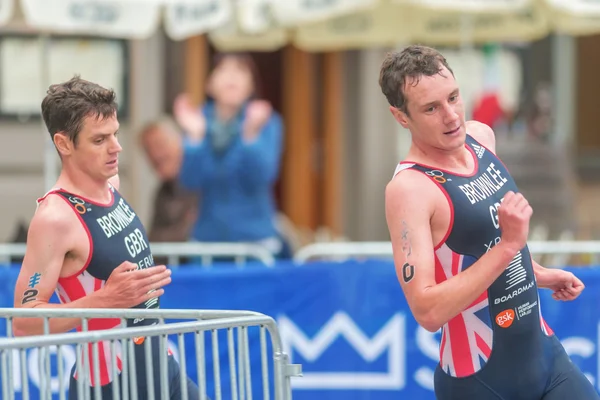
185,18
134,19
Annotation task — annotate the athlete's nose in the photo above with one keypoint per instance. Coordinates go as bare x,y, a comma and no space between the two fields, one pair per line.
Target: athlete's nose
450,115
115,146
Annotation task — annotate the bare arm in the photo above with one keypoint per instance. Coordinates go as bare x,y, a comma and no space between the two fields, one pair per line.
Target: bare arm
47,247
408,215
538,270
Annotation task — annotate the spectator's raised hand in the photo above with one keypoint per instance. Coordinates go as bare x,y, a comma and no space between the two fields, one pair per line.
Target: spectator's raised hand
190,119
258,113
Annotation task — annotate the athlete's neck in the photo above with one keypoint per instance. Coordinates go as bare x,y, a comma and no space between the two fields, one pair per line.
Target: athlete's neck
458,160
80,184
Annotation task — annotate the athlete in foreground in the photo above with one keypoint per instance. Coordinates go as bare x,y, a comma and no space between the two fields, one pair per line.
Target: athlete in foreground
86,242
459,231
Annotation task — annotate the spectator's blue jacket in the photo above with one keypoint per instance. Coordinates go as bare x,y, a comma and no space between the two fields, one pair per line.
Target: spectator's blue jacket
236,187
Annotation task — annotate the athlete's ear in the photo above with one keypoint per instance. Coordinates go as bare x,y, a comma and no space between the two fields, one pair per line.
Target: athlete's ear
400,116
63,144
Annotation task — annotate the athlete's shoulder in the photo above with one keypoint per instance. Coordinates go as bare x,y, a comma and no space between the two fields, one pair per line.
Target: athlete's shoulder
482,133
53,215
404,184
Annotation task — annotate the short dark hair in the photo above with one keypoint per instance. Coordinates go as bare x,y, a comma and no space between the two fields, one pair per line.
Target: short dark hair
67,104
412,63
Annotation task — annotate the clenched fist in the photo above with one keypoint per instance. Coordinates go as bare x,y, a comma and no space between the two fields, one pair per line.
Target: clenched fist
513,216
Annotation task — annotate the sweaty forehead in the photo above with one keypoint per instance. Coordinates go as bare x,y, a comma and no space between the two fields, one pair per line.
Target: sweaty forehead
101,124
427,89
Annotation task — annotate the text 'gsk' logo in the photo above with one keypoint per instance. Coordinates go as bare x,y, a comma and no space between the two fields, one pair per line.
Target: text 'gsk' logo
505,318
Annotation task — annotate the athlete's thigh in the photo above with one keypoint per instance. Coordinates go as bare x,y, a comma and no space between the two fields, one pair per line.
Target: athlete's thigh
106,392
469,388
193,393
571,385
567,381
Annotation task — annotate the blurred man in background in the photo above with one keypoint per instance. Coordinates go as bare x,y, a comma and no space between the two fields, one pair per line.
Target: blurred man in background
175,209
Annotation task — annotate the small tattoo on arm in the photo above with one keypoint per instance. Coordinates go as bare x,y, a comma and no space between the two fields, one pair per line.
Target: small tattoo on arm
30,294
34,280
408,272
406,245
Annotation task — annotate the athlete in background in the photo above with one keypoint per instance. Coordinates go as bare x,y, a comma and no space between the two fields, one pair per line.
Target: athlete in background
85,241
459,231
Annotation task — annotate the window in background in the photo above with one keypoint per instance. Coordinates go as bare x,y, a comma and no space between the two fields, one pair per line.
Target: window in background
26,70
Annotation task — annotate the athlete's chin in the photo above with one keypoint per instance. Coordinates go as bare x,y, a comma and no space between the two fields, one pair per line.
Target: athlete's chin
110,172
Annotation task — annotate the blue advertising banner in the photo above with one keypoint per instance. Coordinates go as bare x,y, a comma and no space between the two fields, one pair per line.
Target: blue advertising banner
346,323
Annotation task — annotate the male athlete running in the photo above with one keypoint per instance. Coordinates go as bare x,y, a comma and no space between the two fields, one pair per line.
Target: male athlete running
459,230
85,241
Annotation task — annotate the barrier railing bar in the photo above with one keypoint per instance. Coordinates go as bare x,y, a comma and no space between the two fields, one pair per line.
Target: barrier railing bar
123,313
173,251
120,333
384,249
243,251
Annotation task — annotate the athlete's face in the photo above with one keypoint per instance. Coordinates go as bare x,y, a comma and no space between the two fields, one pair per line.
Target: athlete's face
96,152
436,115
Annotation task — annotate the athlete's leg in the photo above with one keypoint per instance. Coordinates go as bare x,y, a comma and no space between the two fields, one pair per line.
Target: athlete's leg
571,385
193,393
73,395
567,380
470,388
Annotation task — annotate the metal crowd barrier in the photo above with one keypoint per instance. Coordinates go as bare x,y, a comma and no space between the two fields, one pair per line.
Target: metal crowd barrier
125,341
345,250
240,252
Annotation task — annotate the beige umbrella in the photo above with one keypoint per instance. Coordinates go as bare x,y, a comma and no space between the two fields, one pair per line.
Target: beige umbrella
372,23
109,18
230,38
187,18
6,11
384,24
469,6
574,17
129,19
253,28
296,12
434,22
451,27
266,25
